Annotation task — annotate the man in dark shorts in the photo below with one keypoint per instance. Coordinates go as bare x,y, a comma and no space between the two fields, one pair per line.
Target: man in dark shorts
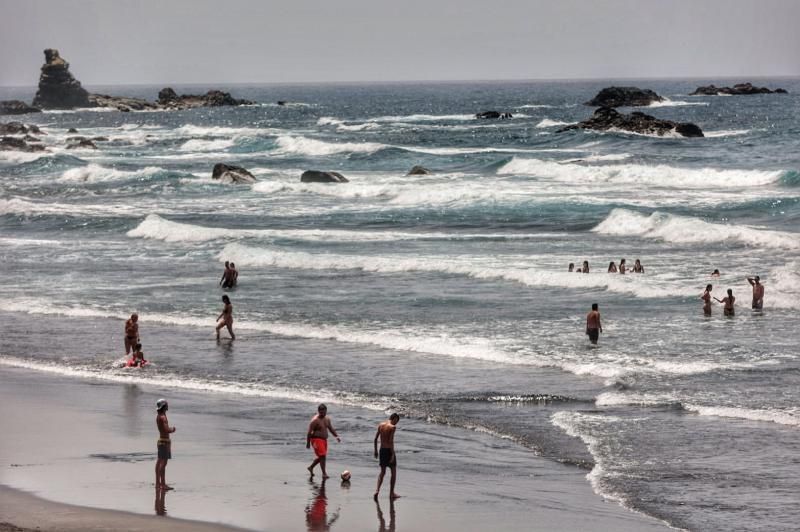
758,292
386,456
593,325
317,437
164,444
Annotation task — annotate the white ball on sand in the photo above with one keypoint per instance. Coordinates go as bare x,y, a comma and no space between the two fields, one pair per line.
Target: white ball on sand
345,475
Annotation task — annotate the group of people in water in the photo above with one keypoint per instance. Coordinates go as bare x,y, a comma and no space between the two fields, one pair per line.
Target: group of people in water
728,302
612,267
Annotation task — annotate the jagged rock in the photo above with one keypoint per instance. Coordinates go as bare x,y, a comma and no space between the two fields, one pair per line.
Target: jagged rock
418,170
72,130
229,173
81,144
58,89
16,144
100,139
13,128
16,107
33,128
316,176
169,99
606,118
121,103
282,102
28,138
737,90
493,114
624,97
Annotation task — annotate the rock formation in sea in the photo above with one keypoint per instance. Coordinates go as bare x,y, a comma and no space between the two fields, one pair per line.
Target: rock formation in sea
58,89
81,144
418,170
18,128
229,173
737,90
169,99
316,176
624,97
16,107
493,115
121,103
606,118
18,144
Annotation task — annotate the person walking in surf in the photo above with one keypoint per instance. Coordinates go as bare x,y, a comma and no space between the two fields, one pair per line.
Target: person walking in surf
593,325
225,319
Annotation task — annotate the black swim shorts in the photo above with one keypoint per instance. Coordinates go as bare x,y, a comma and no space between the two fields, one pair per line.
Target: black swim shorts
164,450
387,457
594,334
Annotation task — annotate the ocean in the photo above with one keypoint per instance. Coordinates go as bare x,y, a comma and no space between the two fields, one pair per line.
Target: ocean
444,296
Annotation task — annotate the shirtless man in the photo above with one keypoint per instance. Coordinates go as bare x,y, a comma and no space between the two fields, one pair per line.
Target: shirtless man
387,457
164,444
622,266
234,275
225,319
318,438
758,292
706,297
593,326
225,275
131,333
728,302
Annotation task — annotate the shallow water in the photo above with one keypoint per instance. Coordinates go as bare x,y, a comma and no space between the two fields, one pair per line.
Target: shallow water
443,295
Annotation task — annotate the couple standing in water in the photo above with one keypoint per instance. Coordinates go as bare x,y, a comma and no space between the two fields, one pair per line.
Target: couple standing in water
729,301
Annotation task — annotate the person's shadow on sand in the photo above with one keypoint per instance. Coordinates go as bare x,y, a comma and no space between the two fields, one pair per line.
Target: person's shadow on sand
382,521
317,509
161,504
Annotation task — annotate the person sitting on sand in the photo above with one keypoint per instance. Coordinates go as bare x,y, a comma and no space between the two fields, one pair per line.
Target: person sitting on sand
758,292
637,267
612,267
706,297
623,268
317,437
585,268
225,319
131,333
593,325
164,444
137,360
571,267
387,456
715,274
728,302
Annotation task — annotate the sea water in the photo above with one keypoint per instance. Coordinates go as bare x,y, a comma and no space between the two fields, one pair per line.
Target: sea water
445,296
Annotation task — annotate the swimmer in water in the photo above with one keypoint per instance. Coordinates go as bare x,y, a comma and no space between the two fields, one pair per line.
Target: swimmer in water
758,292
727,303
593,325
612,267
622,266
637,267
706,297
585,268
571,267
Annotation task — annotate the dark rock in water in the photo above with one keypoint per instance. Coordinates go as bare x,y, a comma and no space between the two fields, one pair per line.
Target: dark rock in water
13,128
84,143
232,174
419,170
282,102
28,138
169,99
316,176
15,144
493,114
100,139
76,139
72,130
737,90
16,107
624,97
33,128
58,89
606,118
121,103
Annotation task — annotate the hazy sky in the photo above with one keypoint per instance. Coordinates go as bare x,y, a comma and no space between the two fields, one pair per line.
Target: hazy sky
233,41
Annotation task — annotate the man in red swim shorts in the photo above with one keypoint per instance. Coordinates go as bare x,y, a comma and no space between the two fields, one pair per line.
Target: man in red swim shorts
318,438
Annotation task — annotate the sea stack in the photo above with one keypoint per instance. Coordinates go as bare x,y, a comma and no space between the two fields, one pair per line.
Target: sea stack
606,118
58,89
624,97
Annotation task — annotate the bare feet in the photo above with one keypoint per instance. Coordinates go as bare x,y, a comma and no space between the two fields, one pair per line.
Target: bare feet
394,496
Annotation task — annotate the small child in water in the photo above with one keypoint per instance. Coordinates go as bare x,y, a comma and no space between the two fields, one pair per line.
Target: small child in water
138,357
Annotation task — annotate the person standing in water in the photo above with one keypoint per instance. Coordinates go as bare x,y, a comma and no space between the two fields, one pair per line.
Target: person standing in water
706,297
317,437
571,267
593,325
164,444
612,267
637,267
131,333
225,319
758,292
727,303
622,266
585,268
387,455
223,282
234,275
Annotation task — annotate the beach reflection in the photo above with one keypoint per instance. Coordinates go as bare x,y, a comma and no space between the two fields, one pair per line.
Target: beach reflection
161,502
317,509
131,407
382,521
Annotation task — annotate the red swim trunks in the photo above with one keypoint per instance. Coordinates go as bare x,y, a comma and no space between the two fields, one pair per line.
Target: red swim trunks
320,446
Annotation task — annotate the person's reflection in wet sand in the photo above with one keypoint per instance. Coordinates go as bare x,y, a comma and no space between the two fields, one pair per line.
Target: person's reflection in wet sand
161,504
382,521
317,509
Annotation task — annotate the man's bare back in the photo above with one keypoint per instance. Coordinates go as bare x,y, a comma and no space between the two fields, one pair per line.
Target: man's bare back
386,432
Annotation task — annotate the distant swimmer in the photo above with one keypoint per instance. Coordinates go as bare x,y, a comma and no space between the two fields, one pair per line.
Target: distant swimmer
612,267
317,437
571,267
727,303
585,268
758,292
715,274
225,319
386,455
637,267
706,297
131,333
623,268
164,444
593,325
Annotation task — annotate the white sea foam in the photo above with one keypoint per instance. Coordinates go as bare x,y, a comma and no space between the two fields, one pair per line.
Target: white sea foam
312,147
726,133
782,287
534,106
675,103
660,175
207,145
25,207
421,118
191,130
545,123
687,230
19,157
94,173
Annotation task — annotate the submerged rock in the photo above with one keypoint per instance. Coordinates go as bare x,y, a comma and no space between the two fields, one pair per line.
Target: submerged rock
121,103
418,170
58,89
13,128
606,118
624,97
17,144
316,176
232,174
737,90
16,107
82,144
493,115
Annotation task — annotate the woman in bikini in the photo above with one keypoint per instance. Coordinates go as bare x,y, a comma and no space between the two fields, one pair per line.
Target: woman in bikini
706,297
225,319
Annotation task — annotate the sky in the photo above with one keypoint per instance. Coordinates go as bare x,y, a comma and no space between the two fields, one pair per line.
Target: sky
109,42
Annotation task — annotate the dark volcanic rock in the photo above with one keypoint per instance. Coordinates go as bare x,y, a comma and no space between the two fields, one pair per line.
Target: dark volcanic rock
419,170
28,138
606,118
229,173
493,115
16,144
13,128
624,97
121,103
169,99
737,90
72,130
316,176
83,143
58,89
16,107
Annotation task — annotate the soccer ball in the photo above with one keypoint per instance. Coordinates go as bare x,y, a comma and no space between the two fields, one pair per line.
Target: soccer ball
345,475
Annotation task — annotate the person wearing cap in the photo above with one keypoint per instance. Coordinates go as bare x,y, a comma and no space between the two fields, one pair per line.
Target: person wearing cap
758,292
164,444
